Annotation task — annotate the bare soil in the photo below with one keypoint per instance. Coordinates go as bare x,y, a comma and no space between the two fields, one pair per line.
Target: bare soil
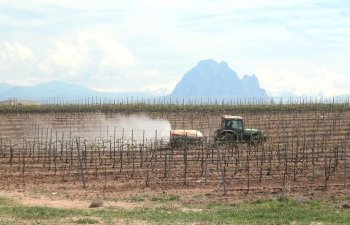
307,156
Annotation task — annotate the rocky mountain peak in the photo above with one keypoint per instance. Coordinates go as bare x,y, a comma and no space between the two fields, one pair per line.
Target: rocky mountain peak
212,79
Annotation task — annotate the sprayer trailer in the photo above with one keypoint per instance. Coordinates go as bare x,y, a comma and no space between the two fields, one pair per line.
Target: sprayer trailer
179,137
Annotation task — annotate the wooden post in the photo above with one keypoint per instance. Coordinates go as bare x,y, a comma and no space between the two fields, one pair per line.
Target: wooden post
248,166
206,163
80,163
221,163
185,160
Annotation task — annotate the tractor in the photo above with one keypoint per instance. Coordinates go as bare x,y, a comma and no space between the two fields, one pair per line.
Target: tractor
233,130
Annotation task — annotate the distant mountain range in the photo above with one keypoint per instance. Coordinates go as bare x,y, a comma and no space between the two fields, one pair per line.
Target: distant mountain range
217,80
207,79
59,89
5,87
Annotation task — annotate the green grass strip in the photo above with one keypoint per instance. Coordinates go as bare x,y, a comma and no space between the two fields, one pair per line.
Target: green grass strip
273,211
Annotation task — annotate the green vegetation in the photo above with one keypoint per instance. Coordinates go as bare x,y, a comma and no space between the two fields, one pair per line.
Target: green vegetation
86,221
228,106
165,198
135,198
160,211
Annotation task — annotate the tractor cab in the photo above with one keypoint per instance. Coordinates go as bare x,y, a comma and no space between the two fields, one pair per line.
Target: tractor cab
232,123
232,128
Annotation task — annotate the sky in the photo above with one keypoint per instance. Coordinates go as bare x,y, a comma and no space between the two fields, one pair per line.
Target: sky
294,47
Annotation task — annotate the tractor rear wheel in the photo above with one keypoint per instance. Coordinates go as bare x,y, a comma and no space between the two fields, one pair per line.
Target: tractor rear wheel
227,137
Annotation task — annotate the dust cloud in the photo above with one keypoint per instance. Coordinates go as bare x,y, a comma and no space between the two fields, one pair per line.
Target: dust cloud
96,126
138,128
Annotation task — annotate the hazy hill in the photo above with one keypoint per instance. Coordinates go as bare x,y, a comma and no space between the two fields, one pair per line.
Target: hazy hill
46,90
5,87
212,79
58,89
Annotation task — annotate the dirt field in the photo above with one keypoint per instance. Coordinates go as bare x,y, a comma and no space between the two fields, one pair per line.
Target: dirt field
306,156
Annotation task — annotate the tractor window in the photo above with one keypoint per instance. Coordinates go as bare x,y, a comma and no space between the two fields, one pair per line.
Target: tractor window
240,125
234,125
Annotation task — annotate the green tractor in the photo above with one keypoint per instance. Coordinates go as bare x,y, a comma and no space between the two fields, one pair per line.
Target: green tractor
233,130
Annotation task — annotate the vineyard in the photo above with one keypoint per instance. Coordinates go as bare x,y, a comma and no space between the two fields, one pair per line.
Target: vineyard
95,147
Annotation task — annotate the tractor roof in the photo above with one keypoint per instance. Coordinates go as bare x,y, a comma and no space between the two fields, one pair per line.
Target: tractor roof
228,117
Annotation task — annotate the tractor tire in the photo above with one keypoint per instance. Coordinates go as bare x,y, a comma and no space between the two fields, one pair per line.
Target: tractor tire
227,138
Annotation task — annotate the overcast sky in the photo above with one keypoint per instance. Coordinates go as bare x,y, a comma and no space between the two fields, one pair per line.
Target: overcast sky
295,47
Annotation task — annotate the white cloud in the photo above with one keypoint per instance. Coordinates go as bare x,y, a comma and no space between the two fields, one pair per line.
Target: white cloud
98,61
159,88
14,52
87,55
301,78
149,74
17,62
66,60
83,57
37,5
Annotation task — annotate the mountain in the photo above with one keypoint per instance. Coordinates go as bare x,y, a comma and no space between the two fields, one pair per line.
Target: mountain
4,87
59,89
212,79
46,90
